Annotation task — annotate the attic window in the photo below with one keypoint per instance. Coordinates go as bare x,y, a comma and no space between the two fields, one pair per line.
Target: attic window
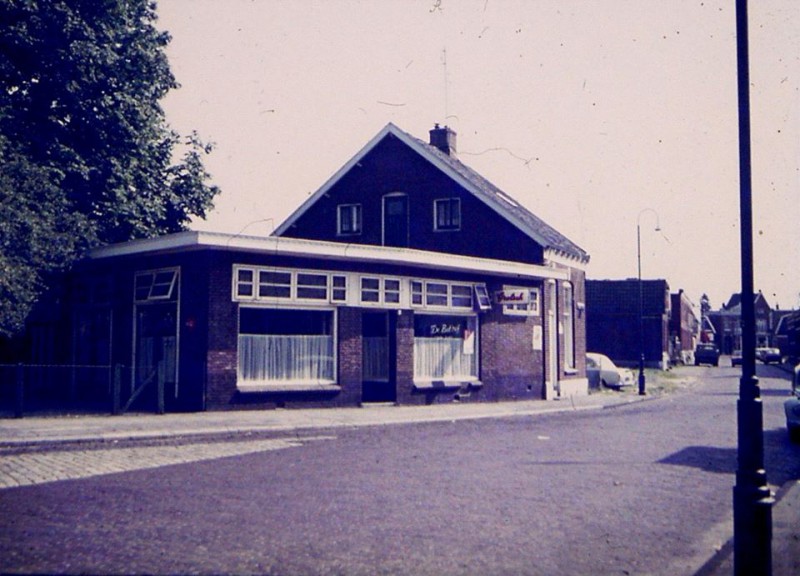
447,214
349,219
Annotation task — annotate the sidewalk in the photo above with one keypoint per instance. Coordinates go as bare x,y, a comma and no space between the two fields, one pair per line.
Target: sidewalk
52,431
90,428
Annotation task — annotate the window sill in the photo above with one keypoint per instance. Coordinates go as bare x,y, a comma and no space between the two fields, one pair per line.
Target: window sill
445,384
570,371
288,387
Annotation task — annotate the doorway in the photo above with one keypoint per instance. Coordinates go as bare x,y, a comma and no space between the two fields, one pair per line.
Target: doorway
379,357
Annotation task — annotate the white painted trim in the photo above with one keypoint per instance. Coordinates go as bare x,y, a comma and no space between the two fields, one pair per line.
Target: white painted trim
336,251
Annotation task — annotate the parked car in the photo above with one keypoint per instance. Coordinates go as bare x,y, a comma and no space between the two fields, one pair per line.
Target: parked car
706,354
767,355
736,358
600,370
792,407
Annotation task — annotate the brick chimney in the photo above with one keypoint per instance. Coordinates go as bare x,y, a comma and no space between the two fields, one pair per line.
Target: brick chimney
444,139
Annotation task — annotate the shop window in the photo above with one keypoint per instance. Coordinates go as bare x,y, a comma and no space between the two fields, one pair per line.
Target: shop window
445,347
447,214
280,346
349,219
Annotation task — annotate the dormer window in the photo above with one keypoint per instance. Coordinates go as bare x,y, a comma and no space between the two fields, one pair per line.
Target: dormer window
349,219
447,214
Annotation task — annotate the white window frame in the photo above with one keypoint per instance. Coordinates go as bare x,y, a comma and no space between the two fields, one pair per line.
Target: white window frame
447,295
333,294
451,200
356,217
382,291
460,378
154,274
289,385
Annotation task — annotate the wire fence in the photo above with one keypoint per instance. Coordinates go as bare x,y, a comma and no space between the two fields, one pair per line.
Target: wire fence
42,389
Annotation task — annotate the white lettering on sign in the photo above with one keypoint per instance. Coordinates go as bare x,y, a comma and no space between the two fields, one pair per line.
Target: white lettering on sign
445,329
512,296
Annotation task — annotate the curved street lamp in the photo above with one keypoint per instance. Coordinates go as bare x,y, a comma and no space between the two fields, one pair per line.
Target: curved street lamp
642,391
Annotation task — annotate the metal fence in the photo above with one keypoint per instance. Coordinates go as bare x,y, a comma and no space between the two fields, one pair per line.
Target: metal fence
63,389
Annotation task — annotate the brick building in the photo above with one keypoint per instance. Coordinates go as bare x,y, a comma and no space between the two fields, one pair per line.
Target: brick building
406,278
616,327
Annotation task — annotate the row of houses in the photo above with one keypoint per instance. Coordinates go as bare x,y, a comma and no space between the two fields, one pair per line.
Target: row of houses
774,328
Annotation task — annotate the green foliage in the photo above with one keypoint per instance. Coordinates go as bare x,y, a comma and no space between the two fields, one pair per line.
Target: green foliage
87,155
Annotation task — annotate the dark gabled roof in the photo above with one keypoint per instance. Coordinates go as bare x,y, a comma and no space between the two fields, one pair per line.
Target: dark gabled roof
531,225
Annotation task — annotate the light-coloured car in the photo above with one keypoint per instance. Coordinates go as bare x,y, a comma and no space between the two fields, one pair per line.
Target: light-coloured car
601,371
792,407
767,355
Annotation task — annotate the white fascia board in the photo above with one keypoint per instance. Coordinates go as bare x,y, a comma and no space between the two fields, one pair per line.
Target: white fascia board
276,245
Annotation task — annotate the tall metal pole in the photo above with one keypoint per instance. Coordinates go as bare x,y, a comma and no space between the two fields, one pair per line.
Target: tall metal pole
752,498
642,391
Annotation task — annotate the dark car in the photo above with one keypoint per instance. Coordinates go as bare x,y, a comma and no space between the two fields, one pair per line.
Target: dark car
706,354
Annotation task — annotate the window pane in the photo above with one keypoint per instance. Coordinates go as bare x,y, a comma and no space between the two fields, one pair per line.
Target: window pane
416,293
462,296
436,294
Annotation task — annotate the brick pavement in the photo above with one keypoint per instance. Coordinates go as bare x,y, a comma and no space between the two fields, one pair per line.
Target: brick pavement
38,467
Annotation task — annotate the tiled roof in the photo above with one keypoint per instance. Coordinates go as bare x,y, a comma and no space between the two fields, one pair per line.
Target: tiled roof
531,225
544,234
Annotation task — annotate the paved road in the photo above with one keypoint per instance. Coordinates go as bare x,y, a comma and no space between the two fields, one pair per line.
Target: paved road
638,489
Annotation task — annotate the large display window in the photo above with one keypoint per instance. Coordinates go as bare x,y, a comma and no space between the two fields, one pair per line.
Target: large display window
284,346
445,347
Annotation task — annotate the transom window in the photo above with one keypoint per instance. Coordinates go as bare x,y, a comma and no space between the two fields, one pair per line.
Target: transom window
447,214
441,295
349,219
375,290
155,285
290,285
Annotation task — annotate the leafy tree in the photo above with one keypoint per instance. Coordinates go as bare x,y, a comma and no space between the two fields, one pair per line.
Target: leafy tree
86,155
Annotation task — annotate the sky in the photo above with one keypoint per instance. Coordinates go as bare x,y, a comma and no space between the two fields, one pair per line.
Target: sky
599,116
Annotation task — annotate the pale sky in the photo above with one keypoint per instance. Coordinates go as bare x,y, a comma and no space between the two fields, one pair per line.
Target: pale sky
595,115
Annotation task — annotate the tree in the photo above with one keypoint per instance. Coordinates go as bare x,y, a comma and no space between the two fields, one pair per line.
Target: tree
86,155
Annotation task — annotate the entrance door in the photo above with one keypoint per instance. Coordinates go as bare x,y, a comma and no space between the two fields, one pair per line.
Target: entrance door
395,220
156,373
379,353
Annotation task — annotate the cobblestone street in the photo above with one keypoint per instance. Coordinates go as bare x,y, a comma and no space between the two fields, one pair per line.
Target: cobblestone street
38,467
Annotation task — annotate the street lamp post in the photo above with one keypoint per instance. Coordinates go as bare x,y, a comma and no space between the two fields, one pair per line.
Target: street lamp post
642,391
752,498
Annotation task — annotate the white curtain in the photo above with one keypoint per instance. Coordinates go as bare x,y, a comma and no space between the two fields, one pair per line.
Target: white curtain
442,358
376,359
281,358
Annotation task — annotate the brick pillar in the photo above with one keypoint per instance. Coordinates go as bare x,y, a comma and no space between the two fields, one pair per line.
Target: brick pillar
350,353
